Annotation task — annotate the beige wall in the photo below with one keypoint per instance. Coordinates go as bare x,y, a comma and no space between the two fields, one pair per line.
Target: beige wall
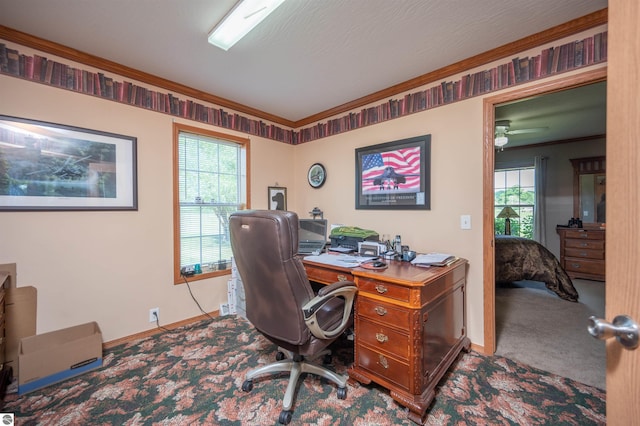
456,187
456,183
112,267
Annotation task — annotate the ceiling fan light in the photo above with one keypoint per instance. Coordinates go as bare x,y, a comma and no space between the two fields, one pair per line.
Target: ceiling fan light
501,141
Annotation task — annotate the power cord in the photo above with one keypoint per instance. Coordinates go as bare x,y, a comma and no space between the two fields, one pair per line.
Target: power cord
194,298
155,314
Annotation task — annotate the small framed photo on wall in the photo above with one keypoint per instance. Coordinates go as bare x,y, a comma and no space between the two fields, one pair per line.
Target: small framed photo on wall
277,198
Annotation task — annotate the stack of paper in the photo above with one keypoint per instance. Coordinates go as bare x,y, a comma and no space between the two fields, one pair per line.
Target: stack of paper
434,259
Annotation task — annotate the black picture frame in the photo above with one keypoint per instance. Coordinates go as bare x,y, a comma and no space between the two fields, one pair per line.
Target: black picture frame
394,175
49,166
277,198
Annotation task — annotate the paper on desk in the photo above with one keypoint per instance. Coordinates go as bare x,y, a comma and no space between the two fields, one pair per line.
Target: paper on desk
433,259
344,260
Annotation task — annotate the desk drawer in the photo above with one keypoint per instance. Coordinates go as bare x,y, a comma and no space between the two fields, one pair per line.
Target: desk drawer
326,276
384,366
390,291
383,312
584,253
383,338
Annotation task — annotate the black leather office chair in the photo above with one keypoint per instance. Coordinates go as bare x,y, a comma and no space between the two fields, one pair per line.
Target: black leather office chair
280,301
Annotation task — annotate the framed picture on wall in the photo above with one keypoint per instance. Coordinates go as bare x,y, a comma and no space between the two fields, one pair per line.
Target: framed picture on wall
47,166
394,175
277,198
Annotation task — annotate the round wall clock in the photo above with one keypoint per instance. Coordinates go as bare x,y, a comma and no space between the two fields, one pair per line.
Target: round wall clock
317,175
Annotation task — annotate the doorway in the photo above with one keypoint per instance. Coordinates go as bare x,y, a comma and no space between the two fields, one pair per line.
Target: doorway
490,105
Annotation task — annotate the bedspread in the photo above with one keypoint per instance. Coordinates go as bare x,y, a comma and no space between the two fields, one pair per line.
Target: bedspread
523,259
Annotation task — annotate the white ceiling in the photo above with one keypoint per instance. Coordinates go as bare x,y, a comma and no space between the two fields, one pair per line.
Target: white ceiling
307,57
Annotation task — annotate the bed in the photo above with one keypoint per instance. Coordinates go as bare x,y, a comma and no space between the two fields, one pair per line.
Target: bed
523,259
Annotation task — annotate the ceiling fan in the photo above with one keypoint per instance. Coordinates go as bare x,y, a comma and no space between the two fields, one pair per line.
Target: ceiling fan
503,131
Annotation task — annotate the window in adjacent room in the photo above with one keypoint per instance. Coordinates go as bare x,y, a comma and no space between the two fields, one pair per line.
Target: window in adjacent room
515,188
210,183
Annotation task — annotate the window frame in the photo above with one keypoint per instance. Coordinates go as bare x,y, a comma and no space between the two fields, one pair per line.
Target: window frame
517,207
198,131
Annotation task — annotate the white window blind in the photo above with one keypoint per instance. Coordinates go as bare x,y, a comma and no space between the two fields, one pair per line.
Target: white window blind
211,185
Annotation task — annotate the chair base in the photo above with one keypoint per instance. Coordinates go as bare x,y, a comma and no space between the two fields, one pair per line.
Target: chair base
296,365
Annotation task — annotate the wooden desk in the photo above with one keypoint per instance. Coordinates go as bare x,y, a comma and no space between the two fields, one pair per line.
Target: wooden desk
410,325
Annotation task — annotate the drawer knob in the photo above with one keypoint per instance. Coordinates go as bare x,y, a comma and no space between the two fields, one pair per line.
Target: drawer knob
381,337
380,311
381,289
383,361
575,265
342,278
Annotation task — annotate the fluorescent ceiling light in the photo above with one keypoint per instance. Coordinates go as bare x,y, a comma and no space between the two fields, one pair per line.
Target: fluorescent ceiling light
244,16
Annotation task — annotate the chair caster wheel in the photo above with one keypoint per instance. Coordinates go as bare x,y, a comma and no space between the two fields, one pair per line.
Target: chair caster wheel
247,385
285,417
280,356
342,393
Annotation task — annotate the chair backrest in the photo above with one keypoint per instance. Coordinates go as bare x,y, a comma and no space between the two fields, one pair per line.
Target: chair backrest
265,245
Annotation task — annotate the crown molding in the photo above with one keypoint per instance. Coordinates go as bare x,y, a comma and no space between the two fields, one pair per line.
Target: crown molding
53,48
572,27
555,33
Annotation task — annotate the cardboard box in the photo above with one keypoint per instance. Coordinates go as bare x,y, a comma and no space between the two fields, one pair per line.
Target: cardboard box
241,300
45,359
9,275
20,320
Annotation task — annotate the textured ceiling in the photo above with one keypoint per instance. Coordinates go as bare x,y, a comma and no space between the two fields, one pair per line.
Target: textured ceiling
307,57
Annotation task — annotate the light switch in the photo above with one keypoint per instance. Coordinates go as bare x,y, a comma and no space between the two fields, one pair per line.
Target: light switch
465,221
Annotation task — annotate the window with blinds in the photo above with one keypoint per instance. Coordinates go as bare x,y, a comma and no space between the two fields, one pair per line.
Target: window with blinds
211,183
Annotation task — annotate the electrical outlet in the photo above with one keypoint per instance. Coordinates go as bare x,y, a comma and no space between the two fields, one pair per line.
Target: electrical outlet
154,314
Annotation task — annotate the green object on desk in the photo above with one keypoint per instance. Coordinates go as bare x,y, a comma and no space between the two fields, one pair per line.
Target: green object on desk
353,231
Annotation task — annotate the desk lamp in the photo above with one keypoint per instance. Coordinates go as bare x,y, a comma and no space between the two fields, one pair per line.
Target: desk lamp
507,213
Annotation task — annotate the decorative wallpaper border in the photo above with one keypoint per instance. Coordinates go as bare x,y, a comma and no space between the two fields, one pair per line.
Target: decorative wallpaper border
551,61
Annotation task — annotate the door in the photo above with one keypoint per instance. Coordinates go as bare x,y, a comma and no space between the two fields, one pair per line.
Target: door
623,215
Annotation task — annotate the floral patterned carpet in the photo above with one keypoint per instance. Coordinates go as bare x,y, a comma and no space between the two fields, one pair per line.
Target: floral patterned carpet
193,376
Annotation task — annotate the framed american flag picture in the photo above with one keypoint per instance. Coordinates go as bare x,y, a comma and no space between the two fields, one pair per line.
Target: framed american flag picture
394,175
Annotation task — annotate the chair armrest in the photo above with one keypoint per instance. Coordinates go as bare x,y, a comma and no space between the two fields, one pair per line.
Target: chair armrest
326,289
345,289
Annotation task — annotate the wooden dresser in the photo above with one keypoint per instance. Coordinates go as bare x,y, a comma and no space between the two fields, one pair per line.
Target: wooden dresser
410,326
582,252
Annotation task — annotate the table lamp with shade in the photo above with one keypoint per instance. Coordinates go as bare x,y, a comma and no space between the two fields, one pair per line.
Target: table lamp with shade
507,213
